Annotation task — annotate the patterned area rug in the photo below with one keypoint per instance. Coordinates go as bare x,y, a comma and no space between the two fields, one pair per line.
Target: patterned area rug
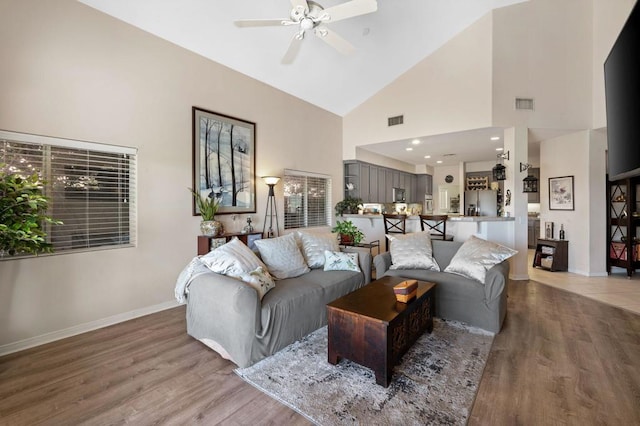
435,384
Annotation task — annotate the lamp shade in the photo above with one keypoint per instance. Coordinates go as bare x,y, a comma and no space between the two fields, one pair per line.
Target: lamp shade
499,172
530,184
270,180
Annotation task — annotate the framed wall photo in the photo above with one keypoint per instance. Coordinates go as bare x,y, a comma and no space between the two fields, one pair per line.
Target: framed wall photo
561,193
224,161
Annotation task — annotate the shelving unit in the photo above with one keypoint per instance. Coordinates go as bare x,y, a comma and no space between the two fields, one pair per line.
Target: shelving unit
623,242
477,183
552,254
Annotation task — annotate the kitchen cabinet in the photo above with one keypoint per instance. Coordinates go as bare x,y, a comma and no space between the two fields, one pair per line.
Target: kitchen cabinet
534,197
388,192
364,182
533,233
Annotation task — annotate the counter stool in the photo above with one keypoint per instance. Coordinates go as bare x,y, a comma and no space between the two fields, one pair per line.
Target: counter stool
436,224
394,224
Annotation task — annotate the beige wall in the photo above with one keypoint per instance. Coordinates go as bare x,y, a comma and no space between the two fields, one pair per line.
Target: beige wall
446,92
69,71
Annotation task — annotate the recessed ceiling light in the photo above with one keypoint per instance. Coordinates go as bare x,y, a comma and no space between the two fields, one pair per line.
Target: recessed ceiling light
416,141
499,149
439,161
495,138
427,156
409,149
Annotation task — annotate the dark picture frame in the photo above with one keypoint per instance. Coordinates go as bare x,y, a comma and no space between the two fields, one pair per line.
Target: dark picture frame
224,161
561,193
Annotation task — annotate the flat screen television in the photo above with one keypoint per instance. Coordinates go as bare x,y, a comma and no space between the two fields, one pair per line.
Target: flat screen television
622,92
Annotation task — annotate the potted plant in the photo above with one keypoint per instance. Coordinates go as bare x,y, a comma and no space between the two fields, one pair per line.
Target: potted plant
22,214
349,233
348,206
208,207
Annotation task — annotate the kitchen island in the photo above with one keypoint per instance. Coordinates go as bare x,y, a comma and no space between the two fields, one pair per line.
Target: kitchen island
492,228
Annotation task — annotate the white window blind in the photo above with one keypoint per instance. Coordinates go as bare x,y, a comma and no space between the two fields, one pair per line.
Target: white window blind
91,188
307,199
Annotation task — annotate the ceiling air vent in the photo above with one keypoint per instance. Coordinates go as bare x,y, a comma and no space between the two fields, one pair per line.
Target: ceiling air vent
524,103
394,121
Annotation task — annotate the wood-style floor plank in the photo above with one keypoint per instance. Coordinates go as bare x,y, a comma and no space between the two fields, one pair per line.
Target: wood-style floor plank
560,359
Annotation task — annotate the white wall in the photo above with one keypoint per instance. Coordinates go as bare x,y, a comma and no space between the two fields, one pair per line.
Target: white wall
578,156
446,92
71,72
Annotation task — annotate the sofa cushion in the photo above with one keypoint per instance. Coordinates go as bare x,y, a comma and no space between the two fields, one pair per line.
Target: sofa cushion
338,261
476,256
233,259
259,279
313,246
412,251
282,256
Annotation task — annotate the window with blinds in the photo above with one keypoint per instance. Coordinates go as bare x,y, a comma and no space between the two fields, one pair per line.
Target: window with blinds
307,199
91,188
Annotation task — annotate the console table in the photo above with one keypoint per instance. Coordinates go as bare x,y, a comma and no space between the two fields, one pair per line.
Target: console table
206,243
552,254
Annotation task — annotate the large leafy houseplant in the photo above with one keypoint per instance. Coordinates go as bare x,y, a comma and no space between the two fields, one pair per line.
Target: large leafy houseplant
348,205
349,233
23,216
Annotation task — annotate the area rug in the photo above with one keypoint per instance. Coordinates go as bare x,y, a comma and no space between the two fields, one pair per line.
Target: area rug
435,384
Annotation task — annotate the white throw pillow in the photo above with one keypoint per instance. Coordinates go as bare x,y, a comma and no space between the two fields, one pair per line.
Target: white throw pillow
412,251
282,256
339,261
314,245
259,279
233,259
476,256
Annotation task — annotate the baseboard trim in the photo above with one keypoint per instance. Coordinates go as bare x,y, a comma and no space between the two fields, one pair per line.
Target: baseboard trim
83,328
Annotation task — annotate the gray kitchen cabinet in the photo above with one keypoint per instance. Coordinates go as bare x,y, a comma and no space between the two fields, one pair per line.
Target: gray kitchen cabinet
351,179
388,193
373,183
382,186
365,170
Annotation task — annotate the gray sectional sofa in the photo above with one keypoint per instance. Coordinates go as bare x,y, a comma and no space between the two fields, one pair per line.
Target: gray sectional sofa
482,305
228,316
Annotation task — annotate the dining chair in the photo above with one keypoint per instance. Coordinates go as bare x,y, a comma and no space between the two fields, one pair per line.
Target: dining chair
436,225
394,224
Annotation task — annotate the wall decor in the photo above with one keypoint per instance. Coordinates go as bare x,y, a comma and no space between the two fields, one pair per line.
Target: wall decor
561,193
224,161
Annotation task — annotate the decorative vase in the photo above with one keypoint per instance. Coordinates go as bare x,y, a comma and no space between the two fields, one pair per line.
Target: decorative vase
211,228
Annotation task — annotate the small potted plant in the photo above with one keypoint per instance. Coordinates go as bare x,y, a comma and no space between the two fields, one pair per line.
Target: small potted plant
208,207
349,233
349,205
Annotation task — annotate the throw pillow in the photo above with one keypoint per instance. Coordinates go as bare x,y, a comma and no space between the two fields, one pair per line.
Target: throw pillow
282,256
339,261
476,256
233,259
314,245
412,251
259,279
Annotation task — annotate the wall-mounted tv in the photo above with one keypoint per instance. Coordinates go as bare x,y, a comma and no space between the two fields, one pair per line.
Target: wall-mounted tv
622,89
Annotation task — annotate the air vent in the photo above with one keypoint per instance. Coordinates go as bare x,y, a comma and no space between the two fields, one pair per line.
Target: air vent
524,103
394,121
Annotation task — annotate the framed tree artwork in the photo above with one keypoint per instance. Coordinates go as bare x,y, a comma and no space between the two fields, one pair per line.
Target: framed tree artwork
224,161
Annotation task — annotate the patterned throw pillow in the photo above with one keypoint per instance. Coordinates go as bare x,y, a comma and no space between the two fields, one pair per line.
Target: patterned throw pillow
339,261
233,259
259,279
282,256
476,256
313,246
412,251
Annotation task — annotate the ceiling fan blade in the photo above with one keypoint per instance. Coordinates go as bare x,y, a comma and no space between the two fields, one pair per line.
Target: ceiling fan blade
300,4
263,23
348,10
294,48
334,40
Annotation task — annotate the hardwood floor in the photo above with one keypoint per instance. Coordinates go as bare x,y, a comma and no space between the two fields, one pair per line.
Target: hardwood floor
560,359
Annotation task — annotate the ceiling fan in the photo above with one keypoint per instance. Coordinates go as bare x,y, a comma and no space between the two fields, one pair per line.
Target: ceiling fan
310,16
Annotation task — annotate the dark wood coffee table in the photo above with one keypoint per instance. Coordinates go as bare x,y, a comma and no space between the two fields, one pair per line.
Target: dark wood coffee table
371,328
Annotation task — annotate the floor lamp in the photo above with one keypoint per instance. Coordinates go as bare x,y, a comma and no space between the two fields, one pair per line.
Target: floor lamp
271,207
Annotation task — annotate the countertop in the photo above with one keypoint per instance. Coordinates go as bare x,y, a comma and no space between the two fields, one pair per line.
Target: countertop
451,218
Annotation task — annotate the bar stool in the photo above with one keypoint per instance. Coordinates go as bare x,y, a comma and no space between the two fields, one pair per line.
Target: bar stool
394,224
436,224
